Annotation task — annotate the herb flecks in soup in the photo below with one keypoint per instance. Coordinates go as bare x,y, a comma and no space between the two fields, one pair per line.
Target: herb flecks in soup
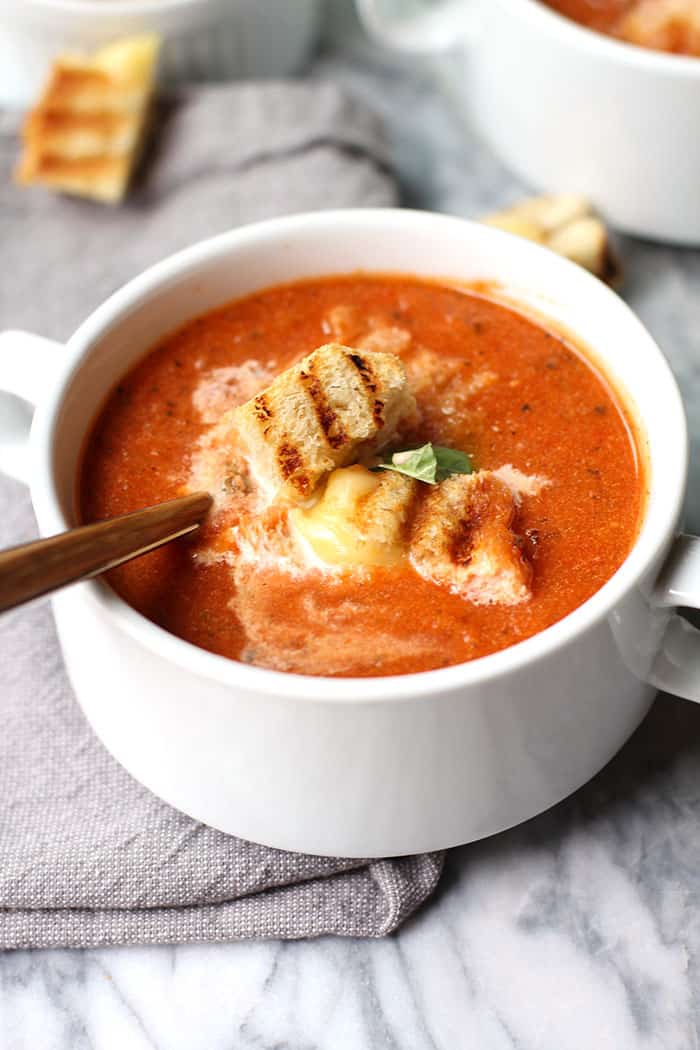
465,482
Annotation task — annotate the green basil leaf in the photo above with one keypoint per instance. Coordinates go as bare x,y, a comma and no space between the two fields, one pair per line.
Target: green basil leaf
418,463
429,463
451,461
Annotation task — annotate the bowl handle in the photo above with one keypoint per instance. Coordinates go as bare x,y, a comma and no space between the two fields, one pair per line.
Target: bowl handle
676,669
438,29
27,366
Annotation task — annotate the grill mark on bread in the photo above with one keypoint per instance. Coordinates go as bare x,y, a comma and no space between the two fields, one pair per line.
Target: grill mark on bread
462,543
378,412
365,369
368,378
316,414
291,462
261,408
327,418
464,539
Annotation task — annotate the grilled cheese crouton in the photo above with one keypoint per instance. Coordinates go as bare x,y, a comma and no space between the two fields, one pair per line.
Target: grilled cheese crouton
360,518
542,216
586,242
464,540
84,135
330,408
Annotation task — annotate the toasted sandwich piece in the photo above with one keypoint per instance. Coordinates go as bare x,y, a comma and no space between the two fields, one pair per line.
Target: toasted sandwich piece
565,223
360,519
543,214
464,539
334,406
586,242
84,135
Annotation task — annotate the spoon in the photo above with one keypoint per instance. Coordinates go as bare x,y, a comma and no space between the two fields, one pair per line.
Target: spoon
34,569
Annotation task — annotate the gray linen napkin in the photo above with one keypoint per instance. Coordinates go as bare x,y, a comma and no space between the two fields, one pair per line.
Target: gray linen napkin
88,857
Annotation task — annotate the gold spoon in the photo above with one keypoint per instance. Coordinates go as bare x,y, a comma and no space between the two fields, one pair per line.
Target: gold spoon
34,569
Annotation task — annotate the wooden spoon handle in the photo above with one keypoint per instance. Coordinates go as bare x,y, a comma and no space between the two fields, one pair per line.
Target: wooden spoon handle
38,568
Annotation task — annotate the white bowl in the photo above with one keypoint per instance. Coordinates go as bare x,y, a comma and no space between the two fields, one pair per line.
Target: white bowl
570,109
202,39
363,767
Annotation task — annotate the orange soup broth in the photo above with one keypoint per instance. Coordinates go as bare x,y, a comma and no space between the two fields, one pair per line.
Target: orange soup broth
549,413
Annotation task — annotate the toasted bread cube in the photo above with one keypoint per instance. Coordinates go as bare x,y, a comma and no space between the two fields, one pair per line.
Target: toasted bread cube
565,223
511,221
541,216
586,242
84,135
330,408
464,540
360,518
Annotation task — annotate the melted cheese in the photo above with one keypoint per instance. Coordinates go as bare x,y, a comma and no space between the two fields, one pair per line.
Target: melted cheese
349,525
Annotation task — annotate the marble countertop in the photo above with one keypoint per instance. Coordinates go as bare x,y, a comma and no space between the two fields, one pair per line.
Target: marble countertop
578,930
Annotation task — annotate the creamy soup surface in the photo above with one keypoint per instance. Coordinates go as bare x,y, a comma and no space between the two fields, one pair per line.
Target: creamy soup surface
488,381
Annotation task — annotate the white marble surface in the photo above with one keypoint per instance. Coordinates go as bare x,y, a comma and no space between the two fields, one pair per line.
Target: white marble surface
578,931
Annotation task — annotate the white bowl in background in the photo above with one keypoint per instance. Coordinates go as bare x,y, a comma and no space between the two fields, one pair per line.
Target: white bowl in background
202,39
372,766
569,109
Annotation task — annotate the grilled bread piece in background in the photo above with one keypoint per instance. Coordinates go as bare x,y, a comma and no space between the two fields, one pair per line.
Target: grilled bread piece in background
464,539
566,223
331,408
85,134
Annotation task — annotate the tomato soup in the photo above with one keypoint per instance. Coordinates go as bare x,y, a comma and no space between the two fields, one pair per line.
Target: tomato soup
487,380
661,25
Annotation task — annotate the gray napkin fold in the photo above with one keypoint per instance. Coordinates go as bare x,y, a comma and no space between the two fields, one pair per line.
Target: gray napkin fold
88,857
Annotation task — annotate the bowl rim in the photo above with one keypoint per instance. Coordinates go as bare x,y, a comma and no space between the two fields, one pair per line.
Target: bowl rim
320,688
623,51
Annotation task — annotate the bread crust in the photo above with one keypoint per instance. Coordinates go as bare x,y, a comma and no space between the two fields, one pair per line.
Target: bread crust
330,409
464,539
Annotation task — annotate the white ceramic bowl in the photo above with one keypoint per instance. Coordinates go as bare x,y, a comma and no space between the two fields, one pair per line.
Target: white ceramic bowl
570,109
202,39
363,767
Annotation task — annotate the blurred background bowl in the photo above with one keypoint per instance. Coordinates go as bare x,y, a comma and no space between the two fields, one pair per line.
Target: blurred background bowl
202,39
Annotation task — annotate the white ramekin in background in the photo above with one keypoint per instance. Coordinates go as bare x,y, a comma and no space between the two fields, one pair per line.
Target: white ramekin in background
567,108
202,39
